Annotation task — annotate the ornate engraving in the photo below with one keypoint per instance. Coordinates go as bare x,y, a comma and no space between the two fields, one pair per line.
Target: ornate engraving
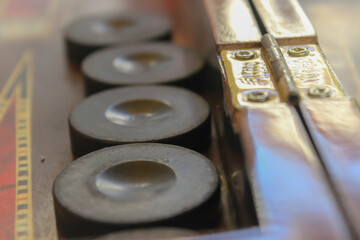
253,74
308,71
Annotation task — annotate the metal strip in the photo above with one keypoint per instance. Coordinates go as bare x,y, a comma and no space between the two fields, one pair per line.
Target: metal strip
334,125
297,71
233,24
277,148
286,175
286,21
292,198
314,78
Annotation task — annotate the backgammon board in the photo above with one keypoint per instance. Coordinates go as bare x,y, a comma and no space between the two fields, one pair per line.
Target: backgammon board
285,126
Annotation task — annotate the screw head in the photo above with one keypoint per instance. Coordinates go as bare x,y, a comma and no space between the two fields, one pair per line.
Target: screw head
319,92
244,55
258,96
298,51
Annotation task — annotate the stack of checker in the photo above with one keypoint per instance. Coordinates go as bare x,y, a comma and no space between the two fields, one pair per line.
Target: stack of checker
282,100
127,175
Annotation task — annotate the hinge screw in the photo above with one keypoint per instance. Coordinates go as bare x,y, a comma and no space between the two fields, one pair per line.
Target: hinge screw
257,96
319,92
298,51
244,55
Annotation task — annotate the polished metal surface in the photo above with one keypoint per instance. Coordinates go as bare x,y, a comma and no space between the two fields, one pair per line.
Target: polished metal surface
292,198
243,77
312,70
334,125
280,71
233,23
285,176
286,21
303,69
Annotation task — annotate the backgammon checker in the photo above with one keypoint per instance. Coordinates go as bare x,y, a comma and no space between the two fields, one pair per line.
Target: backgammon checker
136,185
145,63
93,32
140,114
148,234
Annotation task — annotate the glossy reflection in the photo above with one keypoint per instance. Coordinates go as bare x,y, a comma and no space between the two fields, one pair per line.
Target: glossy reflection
138,62
114,24
312,71
138,112
285,19
246,76
136,180
233,22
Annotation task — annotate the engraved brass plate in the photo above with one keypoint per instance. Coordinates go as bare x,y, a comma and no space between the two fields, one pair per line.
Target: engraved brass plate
248,79
311,71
